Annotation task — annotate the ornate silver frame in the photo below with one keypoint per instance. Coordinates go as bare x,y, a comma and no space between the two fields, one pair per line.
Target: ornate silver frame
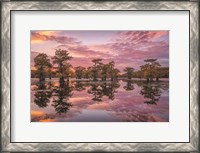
8,6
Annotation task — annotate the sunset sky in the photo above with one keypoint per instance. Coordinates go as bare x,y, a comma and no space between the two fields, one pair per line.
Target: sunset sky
125,48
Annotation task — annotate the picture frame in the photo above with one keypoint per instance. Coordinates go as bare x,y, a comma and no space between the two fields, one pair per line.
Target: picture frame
7,7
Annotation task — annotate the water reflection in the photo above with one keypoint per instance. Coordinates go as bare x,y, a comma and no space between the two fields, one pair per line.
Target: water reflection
79,86
96,91
42,95
108,89
42,98
151,93
41,85
61,98
118,100
129,85
60,95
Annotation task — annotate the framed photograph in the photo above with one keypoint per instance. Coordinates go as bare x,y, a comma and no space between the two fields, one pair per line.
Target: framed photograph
100,76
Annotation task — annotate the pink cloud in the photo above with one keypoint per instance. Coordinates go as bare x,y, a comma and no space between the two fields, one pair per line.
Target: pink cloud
126,48
45,36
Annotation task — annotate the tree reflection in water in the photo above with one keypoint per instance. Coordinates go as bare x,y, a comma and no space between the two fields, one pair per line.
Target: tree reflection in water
59,95
129,85
109,89
61,98
152,92
41,85
42,95
42,98
98,90
79,86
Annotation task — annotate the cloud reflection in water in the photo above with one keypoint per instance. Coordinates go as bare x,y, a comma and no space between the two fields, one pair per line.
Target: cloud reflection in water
84,101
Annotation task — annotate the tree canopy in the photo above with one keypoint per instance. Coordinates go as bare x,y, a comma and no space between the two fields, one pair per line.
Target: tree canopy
61,58
150,70
42,63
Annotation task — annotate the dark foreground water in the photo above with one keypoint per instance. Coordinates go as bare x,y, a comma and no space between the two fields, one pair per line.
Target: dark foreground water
87,101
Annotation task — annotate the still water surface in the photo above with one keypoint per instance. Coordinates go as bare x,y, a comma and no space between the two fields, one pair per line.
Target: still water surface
87,101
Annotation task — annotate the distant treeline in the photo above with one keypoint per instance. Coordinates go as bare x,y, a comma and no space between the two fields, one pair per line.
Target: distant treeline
61,68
